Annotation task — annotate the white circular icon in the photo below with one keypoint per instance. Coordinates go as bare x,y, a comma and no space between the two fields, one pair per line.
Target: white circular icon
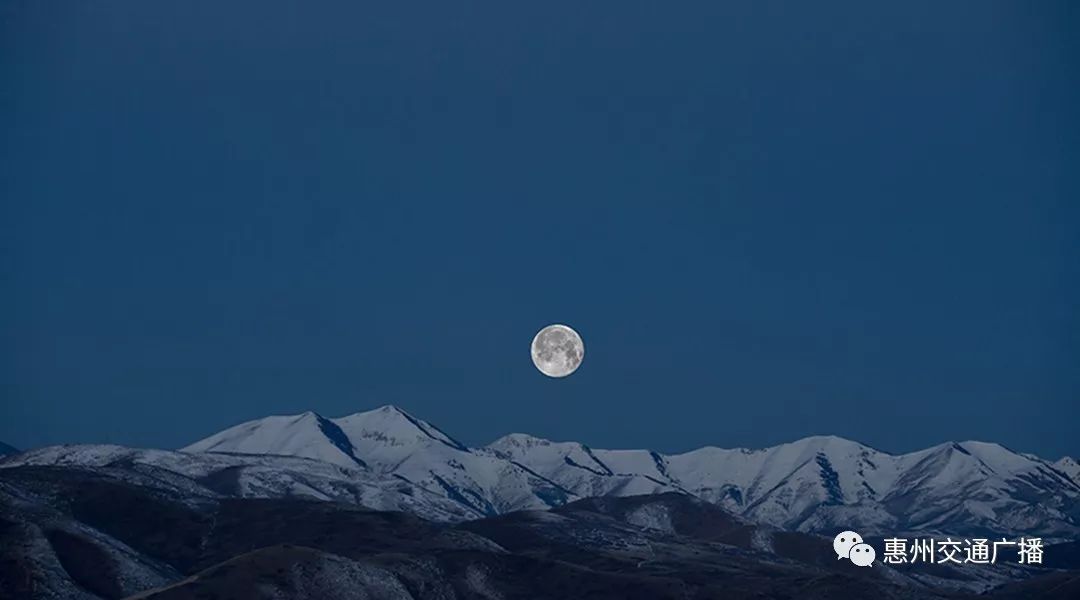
843,542
862,555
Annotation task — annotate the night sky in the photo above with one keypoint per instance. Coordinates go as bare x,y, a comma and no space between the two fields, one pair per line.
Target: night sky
767,220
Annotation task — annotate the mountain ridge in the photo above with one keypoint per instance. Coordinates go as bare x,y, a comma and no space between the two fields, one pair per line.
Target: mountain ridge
391,442
96,534
815,484
811,484
424,426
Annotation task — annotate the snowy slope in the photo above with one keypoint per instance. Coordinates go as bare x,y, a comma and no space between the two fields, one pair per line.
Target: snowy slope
1070,467
212,474
816,484
824,482
43,543
588,473
393,444
308,435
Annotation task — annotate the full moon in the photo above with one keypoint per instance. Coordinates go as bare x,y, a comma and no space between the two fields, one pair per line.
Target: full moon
557,350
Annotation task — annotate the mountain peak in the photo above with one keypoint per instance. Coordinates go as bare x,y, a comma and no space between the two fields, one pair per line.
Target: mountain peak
387,413
385,409
392,424
826,440
307,434
971,445
518,440
6,449
991,454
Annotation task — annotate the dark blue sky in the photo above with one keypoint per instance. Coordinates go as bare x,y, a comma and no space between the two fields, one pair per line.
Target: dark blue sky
767,220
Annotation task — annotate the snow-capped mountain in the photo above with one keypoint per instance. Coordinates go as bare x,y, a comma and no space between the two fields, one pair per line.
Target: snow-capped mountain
209,475
814,484
307,435
127,530
577,467
823,483
6,449
391,443
387,458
